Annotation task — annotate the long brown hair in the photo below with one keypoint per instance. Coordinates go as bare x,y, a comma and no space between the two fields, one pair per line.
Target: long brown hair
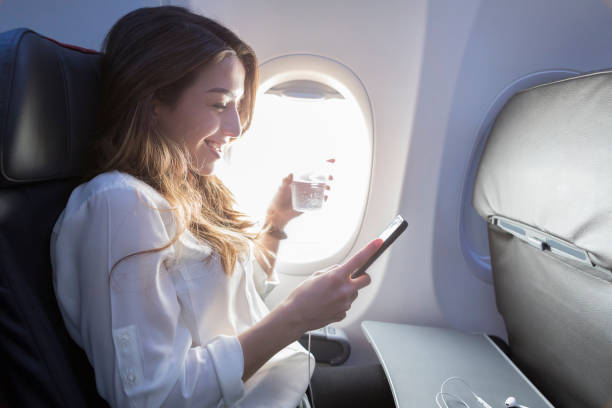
155,54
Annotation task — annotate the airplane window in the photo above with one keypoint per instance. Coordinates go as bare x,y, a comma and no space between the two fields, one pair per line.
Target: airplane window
299,124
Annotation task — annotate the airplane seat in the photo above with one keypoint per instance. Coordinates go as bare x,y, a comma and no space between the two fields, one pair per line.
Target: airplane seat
48,118
544,185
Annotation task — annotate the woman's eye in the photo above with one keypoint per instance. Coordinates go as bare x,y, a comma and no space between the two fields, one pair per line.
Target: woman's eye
220,106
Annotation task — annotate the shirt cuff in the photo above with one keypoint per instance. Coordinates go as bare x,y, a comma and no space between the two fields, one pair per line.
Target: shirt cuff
264,283
228,360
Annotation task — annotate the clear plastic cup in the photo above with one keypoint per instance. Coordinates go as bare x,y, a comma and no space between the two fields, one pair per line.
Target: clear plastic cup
308,191
307,196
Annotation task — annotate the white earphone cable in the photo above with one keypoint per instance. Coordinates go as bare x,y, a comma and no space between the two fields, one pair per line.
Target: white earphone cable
441,394
309,384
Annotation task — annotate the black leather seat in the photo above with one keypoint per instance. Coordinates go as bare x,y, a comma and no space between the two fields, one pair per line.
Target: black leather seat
48,119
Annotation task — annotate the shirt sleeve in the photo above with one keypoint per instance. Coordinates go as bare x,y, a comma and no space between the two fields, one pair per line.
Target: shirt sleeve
264,284
155,363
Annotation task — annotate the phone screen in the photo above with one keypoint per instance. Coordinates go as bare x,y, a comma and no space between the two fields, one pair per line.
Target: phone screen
390,234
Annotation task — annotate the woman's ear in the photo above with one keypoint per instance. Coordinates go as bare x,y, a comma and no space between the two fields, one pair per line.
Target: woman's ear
156,112
156,108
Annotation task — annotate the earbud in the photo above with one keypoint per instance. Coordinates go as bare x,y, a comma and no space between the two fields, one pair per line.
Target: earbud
482,402
511,403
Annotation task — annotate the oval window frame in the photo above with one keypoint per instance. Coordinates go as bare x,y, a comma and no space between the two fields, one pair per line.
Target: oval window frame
338,76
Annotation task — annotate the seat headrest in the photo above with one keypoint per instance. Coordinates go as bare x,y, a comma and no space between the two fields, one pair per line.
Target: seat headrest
48,107
548,163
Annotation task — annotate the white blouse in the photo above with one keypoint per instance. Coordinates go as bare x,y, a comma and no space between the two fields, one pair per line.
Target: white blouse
161,328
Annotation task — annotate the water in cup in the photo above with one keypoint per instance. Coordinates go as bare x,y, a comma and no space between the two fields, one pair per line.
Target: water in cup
308,191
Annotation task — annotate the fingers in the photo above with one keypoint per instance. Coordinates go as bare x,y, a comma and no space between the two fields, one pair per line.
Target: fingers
330,177
361,257
325,270
339,316
362,281
329,268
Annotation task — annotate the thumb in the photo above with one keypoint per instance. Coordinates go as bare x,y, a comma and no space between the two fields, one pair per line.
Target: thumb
361,257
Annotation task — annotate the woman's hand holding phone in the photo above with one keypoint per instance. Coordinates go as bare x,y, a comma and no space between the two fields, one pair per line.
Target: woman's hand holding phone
321,299
326,296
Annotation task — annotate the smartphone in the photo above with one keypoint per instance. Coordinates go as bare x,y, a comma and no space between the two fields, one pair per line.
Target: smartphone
390,234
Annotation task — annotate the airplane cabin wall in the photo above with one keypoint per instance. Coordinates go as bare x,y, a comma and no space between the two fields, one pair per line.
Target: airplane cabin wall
432,70
505,42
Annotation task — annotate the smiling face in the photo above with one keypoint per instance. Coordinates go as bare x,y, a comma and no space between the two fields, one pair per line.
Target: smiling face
205,117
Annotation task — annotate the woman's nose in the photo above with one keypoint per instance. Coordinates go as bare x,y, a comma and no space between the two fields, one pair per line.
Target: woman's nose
231,124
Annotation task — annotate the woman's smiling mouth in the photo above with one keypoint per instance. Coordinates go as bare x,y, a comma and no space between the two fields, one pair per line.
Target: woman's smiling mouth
214,147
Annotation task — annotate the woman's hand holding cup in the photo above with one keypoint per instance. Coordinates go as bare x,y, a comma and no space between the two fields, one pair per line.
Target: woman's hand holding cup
296,195
280,211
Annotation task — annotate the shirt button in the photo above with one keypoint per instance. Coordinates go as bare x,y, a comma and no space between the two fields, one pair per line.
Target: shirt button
129,376
123,340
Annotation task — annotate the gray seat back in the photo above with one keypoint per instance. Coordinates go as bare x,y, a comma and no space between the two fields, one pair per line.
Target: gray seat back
548,165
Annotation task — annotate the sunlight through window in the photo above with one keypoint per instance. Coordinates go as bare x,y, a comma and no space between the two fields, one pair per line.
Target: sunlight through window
292,133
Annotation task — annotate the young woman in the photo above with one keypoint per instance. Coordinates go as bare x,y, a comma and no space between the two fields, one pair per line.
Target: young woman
158,278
